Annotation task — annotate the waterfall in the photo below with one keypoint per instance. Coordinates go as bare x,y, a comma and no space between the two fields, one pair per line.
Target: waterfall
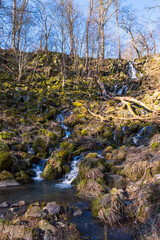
69,177
132,71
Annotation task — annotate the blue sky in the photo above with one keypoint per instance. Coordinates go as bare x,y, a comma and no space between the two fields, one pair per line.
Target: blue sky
140,5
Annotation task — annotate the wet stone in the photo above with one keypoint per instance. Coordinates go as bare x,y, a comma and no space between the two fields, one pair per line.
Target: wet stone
52,208
4,205
77,213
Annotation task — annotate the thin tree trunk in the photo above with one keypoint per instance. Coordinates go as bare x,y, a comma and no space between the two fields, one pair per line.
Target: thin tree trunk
119,46
102,43
14,26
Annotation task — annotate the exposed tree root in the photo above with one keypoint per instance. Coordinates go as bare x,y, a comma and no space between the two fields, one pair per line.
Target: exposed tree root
126,101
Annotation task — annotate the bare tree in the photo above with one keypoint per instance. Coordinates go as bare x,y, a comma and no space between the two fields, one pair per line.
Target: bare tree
45,22
117,23
129,23
90,2
19,10
103,16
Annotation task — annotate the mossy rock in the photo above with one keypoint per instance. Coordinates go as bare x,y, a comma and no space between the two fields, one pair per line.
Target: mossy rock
6,175
23,177
117,169
3,146
78,151
155,146
91,155
52,136
7,135
109,164
63,155
5,160
121,155
67,146
52,172
95,207
51,114
108,156
40,145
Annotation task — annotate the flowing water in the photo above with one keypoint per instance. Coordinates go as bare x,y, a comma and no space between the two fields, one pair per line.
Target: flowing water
132,71
62,192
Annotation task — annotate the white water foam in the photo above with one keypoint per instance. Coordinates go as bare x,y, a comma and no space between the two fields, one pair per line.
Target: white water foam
132,71
69,177
138,136
60,119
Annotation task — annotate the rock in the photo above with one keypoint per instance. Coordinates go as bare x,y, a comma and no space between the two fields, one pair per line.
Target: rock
45,225
9,183
116,181
117,169
5,160
21,203
40,146
109,164
18,231
4,205
6,175
77,213
52,208
34,211
23,177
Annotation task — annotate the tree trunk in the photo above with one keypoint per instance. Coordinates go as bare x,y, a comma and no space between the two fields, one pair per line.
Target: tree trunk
14,26
102,43
119,46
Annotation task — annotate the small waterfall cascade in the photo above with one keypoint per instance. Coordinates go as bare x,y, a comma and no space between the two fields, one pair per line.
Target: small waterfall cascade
69,177
38,169
132,71
138,136
60,119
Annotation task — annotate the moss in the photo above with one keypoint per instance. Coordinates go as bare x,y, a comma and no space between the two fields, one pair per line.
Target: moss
85,132
67,146
108,156
91,155
7,135
78,151
95,207
5,160
40,145
52,136
48,173
155,146
6,175
23,177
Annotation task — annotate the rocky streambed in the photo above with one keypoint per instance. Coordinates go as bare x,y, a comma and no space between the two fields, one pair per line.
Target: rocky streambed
78,165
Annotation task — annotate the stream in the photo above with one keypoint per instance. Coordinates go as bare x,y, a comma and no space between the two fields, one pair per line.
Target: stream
62,191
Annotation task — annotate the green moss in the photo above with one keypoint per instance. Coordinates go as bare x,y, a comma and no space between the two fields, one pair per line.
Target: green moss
67,146
78,151
23,177
85,132
6,175
95,207
5,160
7,135
48,173
91,155
40,145
155,146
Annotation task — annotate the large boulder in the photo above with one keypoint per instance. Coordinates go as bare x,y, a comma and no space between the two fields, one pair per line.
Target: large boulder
5,160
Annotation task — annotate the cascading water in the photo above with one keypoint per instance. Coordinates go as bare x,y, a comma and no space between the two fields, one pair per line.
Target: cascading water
69,177
38,169
132,71
60,119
